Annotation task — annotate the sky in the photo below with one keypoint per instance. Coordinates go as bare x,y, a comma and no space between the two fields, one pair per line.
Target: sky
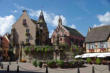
77,14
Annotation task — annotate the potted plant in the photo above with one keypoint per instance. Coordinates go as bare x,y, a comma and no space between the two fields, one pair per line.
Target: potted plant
98,61
40,64
35,63
60,63
52,64
89,60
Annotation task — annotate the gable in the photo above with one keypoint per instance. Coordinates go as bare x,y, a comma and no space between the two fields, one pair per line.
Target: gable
21,29
98,34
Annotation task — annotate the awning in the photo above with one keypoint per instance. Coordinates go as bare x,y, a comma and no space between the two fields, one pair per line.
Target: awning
86,55
107,54
101,56
94,54
78,56
89,55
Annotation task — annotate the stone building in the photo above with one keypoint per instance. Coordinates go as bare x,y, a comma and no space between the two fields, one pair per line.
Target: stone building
27,31
97,44
98,39
5,47
66,35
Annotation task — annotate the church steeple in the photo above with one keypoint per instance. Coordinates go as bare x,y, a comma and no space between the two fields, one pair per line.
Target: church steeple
59,21
41,18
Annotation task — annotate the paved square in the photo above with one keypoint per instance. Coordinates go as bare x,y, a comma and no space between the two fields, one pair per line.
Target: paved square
29,68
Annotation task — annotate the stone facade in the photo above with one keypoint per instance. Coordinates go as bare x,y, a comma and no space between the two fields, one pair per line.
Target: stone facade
66,35
28,31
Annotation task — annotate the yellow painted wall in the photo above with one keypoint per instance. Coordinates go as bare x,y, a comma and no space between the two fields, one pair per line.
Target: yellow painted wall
98,50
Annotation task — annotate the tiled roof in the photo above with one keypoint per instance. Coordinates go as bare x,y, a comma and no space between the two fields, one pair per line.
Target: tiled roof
98,34
34,21
73,31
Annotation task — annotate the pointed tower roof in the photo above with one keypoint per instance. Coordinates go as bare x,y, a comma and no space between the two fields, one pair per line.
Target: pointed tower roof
59,21
41,18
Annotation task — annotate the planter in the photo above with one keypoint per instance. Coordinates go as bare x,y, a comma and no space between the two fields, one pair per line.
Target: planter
40,64
52,64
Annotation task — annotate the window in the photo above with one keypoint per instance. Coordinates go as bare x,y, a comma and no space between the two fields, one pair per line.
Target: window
27,40
60,39
92,45
24,22
98,45
103,44
27,30
87,46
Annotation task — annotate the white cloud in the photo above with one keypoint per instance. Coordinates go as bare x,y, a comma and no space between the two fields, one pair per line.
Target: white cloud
103,19
94,25
51,18
6,24
73,26
15,11
51,32
55,20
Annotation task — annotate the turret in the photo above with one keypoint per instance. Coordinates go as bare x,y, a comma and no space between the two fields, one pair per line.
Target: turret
41,18
59,21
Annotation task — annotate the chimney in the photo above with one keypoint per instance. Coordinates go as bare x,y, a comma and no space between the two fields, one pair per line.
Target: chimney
24,10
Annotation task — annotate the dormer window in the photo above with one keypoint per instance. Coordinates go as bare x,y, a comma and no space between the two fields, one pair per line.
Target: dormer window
24,22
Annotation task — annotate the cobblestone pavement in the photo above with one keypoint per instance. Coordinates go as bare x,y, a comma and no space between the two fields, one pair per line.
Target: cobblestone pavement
29,68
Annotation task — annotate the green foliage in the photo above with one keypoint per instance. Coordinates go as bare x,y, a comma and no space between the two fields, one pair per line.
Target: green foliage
76,49
43,48
36,50
50,63
35,63
64,46
98,61
40,64
60,62
27,49
71,63
89,60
